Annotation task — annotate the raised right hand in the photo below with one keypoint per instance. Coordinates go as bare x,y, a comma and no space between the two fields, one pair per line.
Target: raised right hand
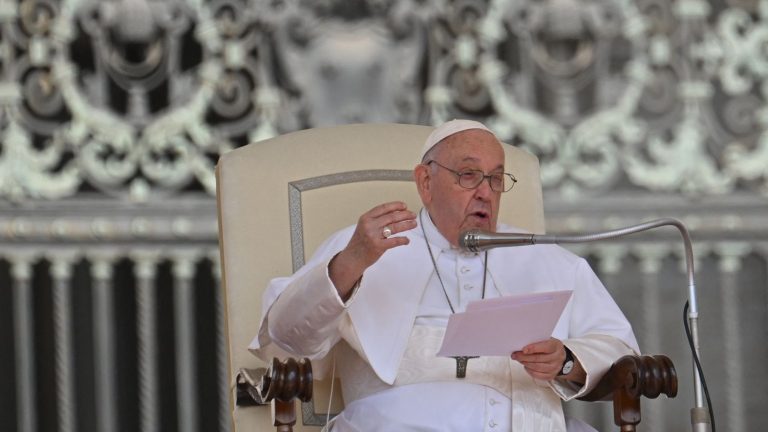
368,243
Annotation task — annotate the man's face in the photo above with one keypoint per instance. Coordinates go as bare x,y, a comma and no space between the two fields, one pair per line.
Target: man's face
453,208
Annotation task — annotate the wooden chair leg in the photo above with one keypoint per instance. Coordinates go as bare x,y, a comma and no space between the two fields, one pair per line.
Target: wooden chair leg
626,410
284,415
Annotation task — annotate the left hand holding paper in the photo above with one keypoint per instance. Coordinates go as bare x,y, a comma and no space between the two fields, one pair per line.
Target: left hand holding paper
542,360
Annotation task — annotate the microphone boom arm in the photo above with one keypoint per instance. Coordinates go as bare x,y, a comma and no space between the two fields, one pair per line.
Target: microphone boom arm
476,240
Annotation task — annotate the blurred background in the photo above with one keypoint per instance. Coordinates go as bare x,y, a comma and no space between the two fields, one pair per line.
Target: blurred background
114,113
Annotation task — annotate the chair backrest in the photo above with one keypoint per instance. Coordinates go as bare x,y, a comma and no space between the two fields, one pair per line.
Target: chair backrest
278,199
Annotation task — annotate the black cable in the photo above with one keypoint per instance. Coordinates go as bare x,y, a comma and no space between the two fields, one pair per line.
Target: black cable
698,365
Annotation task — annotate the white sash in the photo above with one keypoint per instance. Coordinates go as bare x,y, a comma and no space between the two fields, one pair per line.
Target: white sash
419,364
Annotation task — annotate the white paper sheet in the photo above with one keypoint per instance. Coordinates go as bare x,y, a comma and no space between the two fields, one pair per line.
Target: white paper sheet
502,325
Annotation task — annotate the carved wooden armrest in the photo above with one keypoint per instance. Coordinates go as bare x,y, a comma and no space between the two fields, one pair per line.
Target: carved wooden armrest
280,385
629,379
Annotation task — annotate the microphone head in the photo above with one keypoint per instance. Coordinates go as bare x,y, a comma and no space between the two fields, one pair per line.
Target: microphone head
468,240
477,240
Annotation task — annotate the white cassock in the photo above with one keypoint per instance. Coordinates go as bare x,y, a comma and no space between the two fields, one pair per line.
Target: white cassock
392,327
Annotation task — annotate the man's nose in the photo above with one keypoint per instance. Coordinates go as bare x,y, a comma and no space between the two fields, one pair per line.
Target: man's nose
483,190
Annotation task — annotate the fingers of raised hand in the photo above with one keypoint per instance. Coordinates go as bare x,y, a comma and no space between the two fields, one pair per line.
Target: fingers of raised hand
376,230
386,220
397,222
386,208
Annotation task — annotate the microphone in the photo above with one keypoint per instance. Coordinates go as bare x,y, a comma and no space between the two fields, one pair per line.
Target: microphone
478,240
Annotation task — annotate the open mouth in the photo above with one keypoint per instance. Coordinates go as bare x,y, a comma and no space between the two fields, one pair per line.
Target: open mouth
480,215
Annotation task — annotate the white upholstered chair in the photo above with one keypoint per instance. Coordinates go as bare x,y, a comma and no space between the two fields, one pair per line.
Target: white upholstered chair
280,198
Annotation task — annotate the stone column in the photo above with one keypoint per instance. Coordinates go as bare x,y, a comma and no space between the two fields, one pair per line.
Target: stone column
104,343
186,367
146,323
61,271
730,263
26,409
651,257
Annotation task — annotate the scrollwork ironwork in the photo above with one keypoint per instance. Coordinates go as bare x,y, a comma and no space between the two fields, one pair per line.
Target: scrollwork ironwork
137,99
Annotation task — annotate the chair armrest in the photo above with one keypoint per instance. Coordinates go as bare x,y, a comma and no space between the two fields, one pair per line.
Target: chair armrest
629,379
279,385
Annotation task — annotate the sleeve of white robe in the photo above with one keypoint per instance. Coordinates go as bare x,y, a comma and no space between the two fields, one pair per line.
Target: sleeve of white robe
301,313
599,333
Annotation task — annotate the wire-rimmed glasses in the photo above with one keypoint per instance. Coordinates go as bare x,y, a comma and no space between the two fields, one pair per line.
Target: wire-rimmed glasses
471,178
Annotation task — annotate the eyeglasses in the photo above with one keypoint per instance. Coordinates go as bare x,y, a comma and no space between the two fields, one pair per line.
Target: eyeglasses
471,179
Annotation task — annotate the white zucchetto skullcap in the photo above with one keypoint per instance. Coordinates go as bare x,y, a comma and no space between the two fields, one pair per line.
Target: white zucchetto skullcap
449,128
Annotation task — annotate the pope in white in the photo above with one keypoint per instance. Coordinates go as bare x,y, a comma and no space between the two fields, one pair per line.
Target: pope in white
376,297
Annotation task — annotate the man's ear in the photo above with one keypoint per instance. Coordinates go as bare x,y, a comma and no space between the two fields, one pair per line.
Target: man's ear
422,175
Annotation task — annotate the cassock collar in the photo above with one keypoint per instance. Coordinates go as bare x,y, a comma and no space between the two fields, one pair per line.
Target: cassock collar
436,239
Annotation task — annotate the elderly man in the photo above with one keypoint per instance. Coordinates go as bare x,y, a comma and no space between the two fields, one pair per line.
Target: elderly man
378,295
